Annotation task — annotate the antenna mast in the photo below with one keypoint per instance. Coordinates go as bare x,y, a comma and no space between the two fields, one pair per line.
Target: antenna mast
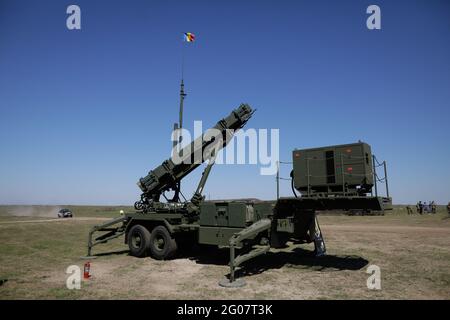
182,95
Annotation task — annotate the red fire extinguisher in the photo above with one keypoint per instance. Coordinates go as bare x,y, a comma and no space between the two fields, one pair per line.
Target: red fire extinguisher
87,270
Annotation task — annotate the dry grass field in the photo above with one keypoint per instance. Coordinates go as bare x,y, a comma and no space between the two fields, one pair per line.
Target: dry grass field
413,253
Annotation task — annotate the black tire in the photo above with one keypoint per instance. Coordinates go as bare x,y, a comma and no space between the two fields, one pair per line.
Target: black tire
162,245
138,241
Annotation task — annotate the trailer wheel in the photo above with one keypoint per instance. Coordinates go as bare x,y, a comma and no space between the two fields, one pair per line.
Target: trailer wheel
162,245
138,241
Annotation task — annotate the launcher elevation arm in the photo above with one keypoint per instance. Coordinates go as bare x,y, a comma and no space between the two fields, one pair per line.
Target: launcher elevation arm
168,175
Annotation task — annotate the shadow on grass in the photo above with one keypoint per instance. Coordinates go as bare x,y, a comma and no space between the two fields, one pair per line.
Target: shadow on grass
298,258
301,259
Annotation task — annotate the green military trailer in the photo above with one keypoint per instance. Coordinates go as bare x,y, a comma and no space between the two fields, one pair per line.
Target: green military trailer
247,227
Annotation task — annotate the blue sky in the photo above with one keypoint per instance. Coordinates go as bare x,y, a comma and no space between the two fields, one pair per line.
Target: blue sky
85,113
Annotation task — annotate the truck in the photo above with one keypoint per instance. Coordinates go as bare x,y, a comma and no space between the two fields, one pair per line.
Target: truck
160,225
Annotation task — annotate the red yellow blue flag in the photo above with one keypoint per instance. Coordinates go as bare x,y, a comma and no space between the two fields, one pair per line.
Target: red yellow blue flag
189,37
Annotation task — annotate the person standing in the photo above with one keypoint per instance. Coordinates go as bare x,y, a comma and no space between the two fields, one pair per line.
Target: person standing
433,207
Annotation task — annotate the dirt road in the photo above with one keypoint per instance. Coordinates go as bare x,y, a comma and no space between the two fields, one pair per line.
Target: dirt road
56,220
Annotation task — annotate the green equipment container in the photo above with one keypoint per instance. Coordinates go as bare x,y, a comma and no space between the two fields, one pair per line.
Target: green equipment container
334,170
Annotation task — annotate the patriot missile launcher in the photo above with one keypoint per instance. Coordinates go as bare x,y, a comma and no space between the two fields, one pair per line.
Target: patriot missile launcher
247,228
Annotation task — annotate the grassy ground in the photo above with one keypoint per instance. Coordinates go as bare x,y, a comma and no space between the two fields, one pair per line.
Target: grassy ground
412,252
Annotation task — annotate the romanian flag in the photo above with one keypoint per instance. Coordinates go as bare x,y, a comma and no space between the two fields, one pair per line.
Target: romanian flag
189,37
